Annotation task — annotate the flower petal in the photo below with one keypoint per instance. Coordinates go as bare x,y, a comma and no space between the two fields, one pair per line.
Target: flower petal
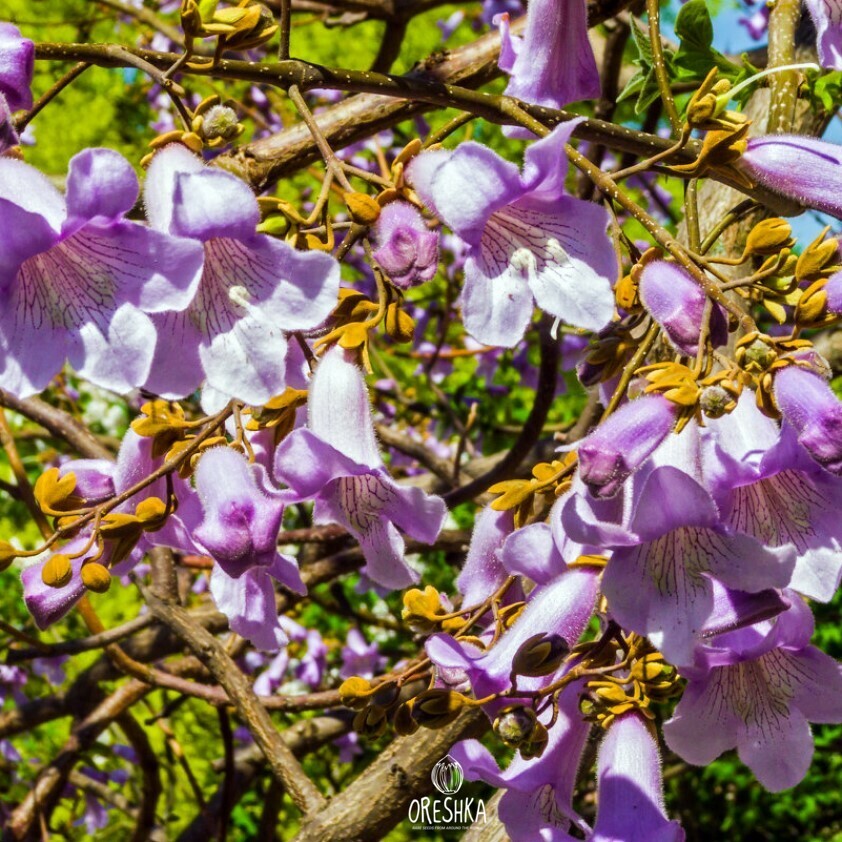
100,182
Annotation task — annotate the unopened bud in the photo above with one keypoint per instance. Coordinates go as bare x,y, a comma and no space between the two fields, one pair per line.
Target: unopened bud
354,692
515,724
364,209
812,306
818,256
220,123
535,745
399,324
403,722
769,237
370,722
8,553
437,707
151,512
541,654
95,577
755,355
716,401
56,572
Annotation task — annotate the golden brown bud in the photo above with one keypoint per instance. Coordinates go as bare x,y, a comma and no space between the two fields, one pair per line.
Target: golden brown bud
152,513
56,572
812,306
8,553
364,209
95,577
399,324
536,743
769,237
354,692
541,654
515,724
437,707
54,492
371,722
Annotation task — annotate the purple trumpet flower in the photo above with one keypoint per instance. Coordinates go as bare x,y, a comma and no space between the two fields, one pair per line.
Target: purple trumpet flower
767,486
659,580
756,689
807,402
527,240
483,572
242,518
336,461
17,63
618,447
360,657
630,794
253,287
677,303
537,804
554,64
407,249
801,168
827,17
77,281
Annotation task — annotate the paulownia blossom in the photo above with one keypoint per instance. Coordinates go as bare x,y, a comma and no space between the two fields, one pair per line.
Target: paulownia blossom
527,240
242,518
253,287
756,690
807,402
659,579
677,303
766,486
77,280
17,62
630,793
827,17
407,249
337,462
801,168
538,799
554,64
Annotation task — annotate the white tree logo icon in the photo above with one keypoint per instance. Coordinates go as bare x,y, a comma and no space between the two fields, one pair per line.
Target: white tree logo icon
447,775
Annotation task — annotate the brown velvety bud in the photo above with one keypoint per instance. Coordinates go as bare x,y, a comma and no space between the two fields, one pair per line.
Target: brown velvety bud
8,554
354,692
437,707
515,724
57,571
769,237
536,743
95,577
540,655
363,208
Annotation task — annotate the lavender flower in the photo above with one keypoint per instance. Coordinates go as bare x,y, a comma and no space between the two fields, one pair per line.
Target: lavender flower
801,168
407,250
827,17
253,287
807,402
527,239
336,460
630,794
756,689
17,63
77,281
618,447
677,303
554,64
359,657
240,528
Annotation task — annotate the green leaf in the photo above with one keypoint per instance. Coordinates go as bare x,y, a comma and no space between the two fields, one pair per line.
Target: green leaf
694,27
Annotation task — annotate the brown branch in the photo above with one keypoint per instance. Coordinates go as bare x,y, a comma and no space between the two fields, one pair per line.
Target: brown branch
212,653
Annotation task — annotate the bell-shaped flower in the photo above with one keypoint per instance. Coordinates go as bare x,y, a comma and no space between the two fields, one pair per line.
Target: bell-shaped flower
537,803
630,792
619,446
360,657
658,581
242,518
756,690
527,240
554,64
253,288
827,18
801,168
677,303
807,402
17,63
77,280
559,611
337,462
483,571
766,486
406,248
